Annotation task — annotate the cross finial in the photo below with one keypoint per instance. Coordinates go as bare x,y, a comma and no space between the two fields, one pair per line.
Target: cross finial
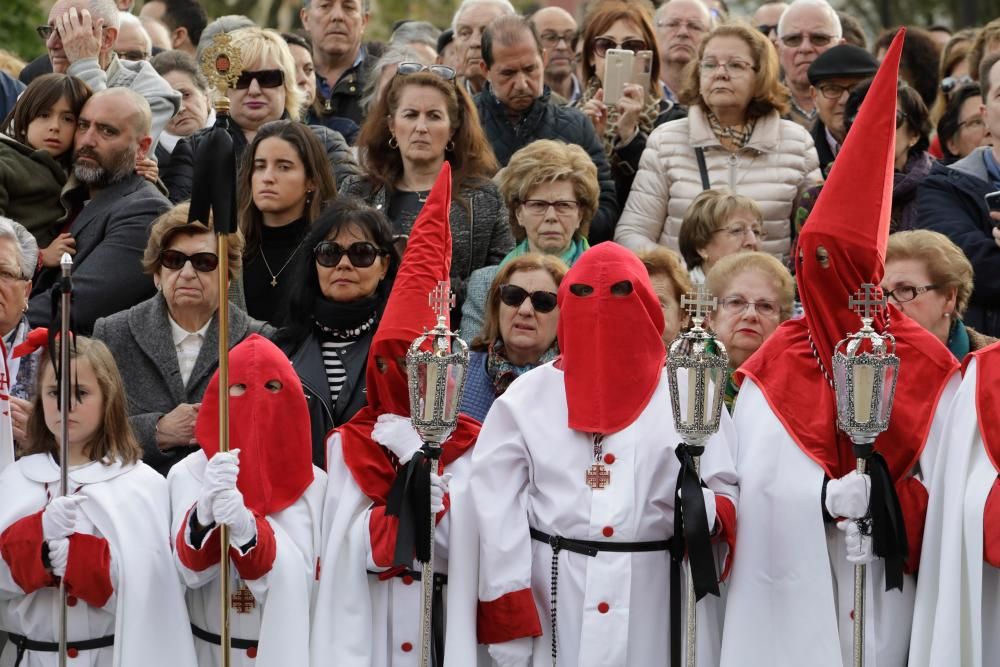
867,302
441,300
699,304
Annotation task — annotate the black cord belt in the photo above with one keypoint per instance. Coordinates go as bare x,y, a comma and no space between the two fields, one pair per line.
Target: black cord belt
437,610
24,644
212,638
587,548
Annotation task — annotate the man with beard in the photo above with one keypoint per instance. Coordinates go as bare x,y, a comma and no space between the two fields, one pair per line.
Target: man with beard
515,109
469,22
109,210
557,30
806,29
680,25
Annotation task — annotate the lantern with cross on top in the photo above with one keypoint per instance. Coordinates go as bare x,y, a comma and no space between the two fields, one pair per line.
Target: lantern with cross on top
865,369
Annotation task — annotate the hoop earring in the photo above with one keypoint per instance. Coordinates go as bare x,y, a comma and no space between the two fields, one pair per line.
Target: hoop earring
393,144
450,147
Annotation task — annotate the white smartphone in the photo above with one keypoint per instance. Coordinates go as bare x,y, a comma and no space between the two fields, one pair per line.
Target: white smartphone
618,71
643,70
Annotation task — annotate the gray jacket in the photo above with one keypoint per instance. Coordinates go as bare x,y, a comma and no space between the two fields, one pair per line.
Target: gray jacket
141,342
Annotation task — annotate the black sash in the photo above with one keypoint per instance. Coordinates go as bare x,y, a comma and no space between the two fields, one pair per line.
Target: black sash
211,638
24,644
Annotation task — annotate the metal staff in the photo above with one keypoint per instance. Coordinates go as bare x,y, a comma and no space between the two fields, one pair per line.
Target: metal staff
865,369
213,197
697,358
66,294
436,379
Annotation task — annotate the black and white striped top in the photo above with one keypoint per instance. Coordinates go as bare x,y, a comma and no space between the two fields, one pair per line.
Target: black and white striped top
336,375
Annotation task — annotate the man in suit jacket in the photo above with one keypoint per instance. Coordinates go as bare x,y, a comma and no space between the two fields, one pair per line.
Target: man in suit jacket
110,209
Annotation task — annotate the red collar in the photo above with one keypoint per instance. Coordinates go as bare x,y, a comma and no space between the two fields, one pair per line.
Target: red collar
988,398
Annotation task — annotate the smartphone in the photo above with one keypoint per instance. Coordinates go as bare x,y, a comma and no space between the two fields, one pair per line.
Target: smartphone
618,71
992,202
643,70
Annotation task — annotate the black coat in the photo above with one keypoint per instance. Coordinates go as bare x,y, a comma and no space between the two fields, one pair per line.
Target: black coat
823,149
179,172
625,161
951,201
548,120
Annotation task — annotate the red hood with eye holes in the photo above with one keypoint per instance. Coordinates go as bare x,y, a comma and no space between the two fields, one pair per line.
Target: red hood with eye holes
612,347
268,423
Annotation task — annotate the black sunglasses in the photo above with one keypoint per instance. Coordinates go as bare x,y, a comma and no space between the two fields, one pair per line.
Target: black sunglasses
443,71
266,78
361,254
602,44
203,262
514,296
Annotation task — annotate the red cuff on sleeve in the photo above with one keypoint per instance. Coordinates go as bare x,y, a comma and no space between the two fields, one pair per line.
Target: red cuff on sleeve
197,560
21,549
382,532
260,559
509,617
88,569
913,500
991,526
725,513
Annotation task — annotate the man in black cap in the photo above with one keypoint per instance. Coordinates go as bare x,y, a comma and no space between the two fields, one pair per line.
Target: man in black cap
447,49
832,76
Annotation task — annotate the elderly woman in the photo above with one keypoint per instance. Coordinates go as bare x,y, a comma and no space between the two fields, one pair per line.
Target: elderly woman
167,346
733,137
625,126
334,308
551,192
182,73
670,282
718,223
929,278
422,120
961,128
266,91
520,330
755,293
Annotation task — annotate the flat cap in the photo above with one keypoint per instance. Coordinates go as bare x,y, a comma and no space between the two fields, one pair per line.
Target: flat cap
444,39
842,60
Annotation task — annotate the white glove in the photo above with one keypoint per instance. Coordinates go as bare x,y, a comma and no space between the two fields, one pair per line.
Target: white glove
398,435
439,487
847,497
220,474
515,653
859,547
59,555
230,510
59,517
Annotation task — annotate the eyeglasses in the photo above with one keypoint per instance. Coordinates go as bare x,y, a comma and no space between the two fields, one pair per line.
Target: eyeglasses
900,118
974,123
739,231
737,305
833,91
9,276
950,83
563,209
361,254
266,78
815,38
767,28
134,55
45,31
541,301
733,67
602,44
443,71
906,293
674,25
550,38
202,262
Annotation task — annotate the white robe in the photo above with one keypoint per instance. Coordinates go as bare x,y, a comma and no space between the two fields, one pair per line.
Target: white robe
957,615
280,619
529,470
128,506
791,593
363,621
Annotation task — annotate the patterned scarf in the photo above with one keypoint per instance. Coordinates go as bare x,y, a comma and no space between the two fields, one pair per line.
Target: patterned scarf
647,117
502,372
738,134
568,256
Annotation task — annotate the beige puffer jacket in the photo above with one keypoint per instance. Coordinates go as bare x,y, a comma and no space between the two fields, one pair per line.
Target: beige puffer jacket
777,164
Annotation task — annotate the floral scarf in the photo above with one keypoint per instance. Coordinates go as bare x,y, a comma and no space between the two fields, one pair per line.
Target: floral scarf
647,118
738,134
502,372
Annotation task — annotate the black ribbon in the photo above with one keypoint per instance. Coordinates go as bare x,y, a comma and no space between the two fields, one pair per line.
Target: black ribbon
691,525
64,286
214,185
888,531
409,500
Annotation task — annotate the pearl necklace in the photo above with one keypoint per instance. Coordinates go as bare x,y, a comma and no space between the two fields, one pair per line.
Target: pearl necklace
347,334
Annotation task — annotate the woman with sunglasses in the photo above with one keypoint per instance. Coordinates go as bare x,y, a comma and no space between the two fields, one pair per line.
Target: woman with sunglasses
734,138
266,91
624,126
337,298
420,121
520,329
167,346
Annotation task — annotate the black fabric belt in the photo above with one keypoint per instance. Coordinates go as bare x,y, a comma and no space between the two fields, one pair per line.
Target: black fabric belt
437,610
24,644
587,548
439,578
211,638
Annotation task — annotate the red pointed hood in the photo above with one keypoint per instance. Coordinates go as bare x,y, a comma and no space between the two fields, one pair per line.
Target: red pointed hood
268,423
842,246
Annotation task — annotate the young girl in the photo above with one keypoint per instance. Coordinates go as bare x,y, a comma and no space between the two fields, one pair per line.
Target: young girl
108,539
36,149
